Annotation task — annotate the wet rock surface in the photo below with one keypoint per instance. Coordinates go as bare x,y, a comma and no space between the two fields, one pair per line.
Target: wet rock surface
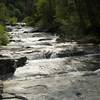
1,89
54,88
53,71
21,61
7,67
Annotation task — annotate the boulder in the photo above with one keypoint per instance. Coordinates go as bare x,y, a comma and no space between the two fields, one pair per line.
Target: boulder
7,67
21,61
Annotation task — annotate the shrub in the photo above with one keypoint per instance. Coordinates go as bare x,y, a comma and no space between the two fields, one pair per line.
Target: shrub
29,21
13,20
4,36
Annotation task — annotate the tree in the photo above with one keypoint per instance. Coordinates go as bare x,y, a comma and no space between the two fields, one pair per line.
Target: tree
3,12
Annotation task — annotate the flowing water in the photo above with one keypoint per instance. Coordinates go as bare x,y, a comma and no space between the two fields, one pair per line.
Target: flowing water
54,71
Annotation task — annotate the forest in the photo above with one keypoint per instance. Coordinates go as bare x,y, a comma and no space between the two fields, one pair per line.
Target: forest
77,20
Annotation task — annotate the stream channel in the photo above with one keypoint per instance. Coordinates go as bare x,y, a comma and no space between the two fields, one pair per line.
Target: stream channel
53,71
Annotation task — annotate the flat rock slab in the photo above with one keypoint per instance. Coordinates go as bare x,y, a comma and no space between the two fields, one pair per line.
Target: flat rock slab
57,87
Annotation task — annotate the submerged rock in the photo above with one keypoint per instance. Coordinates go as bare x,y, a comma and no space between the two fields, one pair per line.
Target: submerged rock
68,53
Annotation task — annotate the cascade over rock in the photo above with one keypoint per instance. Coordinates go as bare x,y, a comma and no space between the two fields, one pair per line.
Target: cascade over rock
43,69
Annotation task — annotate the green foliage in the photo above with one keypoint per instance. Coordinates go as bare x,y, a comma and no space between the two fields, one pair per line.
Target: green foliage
45,12
3,36
69,18
3,12
29,21
13,20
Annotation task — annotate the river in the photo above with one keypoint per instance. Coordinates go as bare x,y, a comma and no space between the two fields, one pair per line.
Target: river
53,71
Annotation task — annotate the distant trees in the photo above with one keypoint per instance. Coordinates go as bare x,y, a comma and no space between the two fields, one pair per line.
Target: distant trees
69,18
53,10
3,12
45,12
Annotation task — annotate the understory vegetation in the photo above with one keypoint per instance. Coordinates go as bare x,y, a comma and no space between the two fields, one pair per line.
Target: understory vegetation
77,20
3,36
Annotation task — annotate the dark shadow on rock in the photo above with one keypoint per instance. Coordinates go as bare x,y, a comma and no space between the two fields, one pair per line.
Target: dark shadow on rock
7,67
1,89
68,53
15,97
21,61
